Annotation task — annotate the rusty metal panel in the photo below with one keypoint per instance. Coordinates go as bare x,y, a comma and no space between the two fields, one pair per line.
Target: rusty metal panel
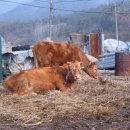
122,64
78,38
95,47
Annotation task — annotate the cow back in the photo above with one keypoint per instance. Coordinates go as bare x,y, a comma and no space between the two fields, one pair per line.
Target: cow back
57,53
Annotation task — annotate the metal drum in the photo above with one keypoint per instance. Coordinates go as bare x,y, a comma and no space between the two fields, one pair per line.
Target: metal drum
122,64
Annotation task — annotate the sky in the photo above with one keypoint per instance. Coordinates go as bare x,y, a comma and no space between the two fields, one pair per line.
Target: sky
6,6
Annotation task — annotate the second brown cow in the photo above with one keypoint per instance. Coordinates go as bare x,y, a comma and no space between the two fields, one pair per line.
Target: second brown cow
49,53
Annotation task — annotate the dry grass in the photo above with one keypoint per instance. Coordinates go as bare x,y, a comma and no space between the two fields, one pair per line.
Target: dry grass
91,103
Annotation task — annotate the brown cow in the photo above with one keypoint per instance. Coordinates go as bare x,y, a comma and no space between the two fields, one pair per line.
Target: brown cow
49,53
43,79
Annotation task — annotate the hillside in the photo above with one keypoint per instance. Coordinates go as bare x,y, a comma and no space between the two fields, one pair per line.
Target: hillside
20,33
27,13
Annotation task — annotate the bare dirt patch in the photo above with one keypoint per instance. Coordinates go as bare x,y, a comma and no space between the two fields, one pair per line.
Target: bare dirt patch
93,104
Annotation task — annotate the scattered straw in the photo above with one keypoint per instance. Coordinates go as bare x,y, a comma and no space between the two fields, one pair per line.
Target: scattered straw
90,98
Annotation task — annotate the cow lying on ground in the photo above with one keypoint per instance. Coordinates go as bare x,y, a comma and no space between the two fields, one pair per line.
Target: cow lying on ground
48,53
42,79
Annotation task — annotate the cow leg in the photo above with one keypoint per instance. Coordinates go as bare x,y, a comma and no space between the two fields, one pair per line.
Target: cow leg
14,94
10,94
61,87
27,88
69,87
23,89
35,60
35,63
30,90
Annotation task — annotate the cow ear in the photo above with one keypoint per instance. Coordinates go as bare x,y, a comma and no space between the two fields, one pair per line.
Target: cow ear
68,64
92,64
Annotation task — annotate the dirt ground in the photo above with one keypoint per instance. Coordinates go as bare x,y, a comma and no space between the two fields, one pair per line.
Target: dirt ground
93,105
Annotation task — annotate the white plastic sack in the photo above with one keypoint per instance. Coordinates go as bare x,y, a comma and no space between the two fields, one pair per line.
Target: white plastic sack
112,45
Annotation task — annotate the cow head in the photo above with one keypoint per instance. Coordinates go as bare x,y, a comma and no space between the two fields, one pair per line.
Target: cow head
74,71
92,70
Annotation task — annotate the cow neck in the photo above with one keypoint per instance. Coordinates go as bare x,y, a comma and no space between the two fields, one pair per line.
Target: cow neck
64,69
85,60
66,72
68,77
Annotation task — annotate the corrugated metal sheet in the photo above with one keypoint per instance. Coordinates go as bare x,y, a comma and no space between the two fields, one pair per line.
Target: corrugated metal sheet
106,61
17,61
25,53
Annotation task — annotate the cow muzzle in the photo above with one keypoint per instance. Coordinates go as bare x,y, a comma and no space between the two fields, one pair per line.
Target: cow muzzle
77,78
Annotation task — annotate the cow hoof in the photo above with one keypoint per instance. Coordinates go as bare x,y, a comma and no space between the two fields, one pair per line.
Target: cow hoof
5,94
15,94
33,94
